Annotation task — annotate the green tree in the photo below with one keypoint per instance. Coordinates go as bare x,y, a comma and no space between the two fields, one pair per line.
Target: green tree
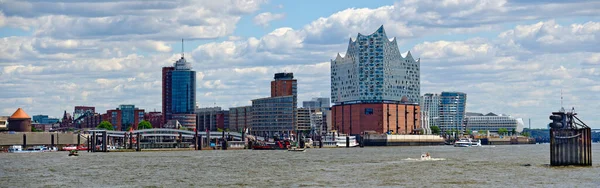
502,131
33,129
144,125
105,125
525,134
514,132
435,130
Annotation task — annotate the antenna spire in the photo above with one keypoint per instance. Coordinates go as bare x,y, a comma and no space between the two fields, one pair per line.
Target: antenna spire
561,98
181,48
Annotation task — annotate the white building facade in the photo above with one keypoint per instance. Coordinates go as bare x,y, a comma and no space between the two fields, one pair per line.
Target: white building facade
430,106
492,122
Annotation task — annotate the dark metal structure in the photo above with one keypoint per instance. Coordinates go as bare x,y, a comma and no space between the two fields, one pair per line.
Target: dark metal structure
570,140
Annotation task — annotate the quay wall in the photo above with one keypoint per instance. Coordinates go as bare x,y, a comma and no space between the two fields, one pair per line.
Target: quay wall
39,138
402,140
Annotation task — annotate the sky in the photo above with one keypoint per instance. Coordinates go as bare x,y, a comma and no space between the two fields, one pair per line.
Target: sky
510,57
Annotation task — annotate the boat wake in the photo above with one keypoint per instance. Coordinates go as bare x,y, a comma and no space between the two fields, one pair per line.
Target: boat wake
429,159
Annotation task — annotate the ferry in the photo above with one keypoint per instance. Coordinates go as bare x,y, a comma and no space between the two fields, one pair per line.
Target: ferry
467,142
341,141
72,147
34,149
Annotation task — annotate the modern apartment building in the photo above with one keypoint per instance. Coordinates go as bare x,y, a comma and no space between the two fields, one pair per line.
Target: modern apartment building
304,115
430,105
452,110
125,117
240,118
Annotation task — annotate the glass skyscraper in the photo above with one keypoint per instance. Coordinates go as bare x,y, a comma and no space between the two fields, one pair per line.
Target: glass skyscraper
179,93
452,110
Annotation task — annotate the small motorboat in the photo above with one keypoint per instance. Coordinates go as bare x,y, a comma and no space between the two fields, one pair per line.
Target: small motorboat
425,156
296,149
73,153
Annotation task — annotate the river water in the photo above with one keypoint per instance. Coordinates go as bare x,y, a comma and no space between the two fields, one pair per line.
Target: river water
498,166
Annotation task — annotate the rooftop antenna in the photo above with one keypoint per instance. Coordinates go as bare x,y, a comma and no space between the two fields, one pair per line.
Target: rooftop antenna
182,48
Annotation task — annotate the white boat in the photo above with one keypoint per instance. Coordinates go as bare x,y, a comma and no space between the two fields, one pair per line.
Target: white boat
15,149
341,141
467,142
34,149
425,156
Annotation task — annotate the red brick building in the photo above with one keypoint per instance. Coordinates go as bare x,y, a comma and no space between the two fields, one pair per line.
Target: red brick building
283,85
155,118
378,117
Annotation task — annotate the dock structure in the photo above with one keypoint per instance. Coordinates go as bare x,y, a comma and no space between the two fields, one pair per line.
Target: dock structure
570,140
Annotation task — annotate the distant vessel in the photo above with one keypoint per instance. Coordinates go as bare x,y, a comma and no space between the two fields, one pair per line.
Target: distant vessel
467,142
79,148
341,141
296,149
34,149
277,145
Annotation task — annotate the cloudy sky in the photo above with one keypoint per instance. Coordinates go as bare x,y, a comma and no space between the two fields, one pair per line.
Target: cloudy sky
510,57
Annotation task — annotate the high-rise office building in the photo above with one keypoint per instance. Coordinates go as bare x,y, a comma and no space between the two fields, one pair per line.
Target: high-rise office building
374,88
179,93
276,115
452,110
430,105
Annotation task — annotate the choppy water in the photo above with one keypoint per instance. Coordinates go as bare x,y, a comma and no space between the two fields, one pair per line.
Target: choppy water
499,166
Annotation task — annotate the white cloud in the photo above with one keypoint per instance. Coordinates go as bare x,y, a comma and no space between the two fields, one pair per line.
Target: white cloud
263,19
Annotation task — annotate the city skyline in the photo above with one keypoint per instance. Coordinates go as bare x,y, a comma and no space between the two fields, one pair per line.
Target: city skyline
54,57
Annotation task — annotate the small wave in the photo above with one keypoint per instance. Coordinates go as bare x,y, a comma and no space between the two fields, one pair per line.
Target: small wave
419,159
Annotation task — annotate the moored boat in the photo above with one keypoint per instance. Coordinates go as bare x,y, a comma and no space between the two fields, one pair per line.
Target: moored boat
341,141
277,145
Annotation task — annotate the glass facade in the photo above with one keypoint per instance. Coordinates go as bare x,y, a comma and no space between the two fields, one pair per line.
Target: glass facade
183,91
127,116
374,71
452,110
492,123
273,114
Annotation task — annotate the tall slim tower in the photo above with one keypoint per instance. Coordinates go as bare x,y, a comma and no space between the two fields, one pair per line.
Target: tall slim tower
179,92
